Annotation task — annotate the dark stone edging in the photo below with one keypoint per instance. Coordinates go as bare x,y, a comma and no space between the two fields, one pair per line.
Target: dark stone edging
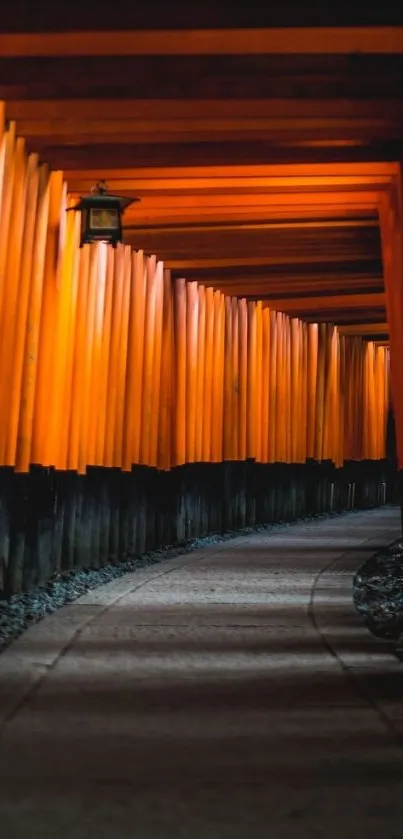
21,611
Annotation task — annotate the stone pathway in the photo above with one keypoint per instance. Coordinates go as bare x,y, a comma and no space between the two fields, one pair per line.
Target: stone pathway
229,694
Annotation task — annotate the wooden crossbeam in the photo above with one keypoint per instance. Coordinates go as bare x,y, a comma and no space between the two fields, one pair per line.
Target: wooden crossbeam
377,40
190,109
346,301
132,174
233,262
365,329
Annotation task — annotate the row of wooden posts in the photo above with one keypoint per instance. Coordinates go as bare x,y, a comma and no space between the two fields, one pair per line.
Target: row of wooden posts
105,360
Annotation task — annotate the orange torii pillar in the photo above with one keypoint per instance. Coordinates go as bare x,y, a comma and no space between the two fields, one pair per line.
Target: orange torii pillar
391,221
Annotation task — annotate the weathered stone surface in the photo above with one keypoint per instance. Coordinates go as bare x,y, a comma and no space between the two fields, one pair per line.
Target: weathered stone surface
232,693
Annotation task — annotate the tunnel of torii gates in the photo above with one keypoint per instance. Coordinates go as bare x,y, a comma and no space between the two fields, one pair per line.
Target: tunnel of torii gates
117,373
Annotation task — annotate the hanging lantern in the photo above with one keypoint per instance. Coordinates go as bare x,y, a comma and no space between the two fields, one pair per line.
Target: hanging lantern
101,216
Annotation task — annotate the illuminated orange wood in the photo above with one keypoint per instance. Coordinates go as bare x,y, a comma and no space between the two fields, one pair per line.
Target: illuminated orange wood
148,361
10,280
64,349
77,393
252,385
296,419
304,394
208,376
134,384
265,377
24,441
218,378
43,443
276,40
120,368
113,364
122,360
22,310
7,170
235,379
312,383
86,361
243,377
156,377
220,389
165,408
105,348
273,387
281,392
192,321
228,382
259,352
179,419
342,400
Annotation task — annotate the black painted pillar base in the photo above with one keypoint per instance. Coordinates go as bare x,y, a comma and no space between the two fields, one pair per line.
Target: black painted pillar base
52,522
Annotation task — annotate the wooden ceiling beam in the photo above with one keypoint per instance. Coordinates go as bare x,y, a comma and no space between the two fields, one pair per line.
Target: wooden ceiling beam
365,329
364,268
100,109
377,40
184,132
349,198
364,169
284,286
152,219
159,129
237,185
347,301
333,226
230,262
88,159
289,285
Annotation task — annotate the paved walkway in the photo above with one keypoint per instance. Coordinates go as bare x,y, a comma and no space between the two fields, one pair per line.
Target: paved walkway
228,694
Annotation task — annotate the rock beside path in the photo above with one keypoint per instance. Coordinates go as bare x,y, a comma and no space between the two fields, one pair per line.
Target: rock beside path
378,592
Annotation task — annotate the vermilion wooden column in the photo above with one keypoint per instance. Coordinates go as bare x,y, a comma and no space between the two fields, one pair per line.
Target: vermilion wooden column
148,360
320,391
258,381
304,395
77,391
43,435
192,322
312,380
281,419
235,379
209,362
165,407
228,382
179,417
10,280
265,426
122,362
391,218
251,398
296,418
243,377
22,307
105,349
201,354
30,366
68,302
156,377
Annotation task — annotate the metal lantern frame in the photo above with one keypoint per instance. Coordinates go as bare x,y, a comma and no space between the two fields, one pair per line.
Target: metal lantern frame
99,208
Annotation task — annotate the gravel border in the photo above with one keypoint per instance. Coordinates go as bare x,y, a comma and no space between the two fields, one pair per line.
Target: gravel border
20,611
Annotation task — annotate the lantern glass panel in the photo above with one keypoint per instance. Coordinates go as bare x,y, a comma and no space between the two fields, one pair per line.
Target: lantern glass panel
102,218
